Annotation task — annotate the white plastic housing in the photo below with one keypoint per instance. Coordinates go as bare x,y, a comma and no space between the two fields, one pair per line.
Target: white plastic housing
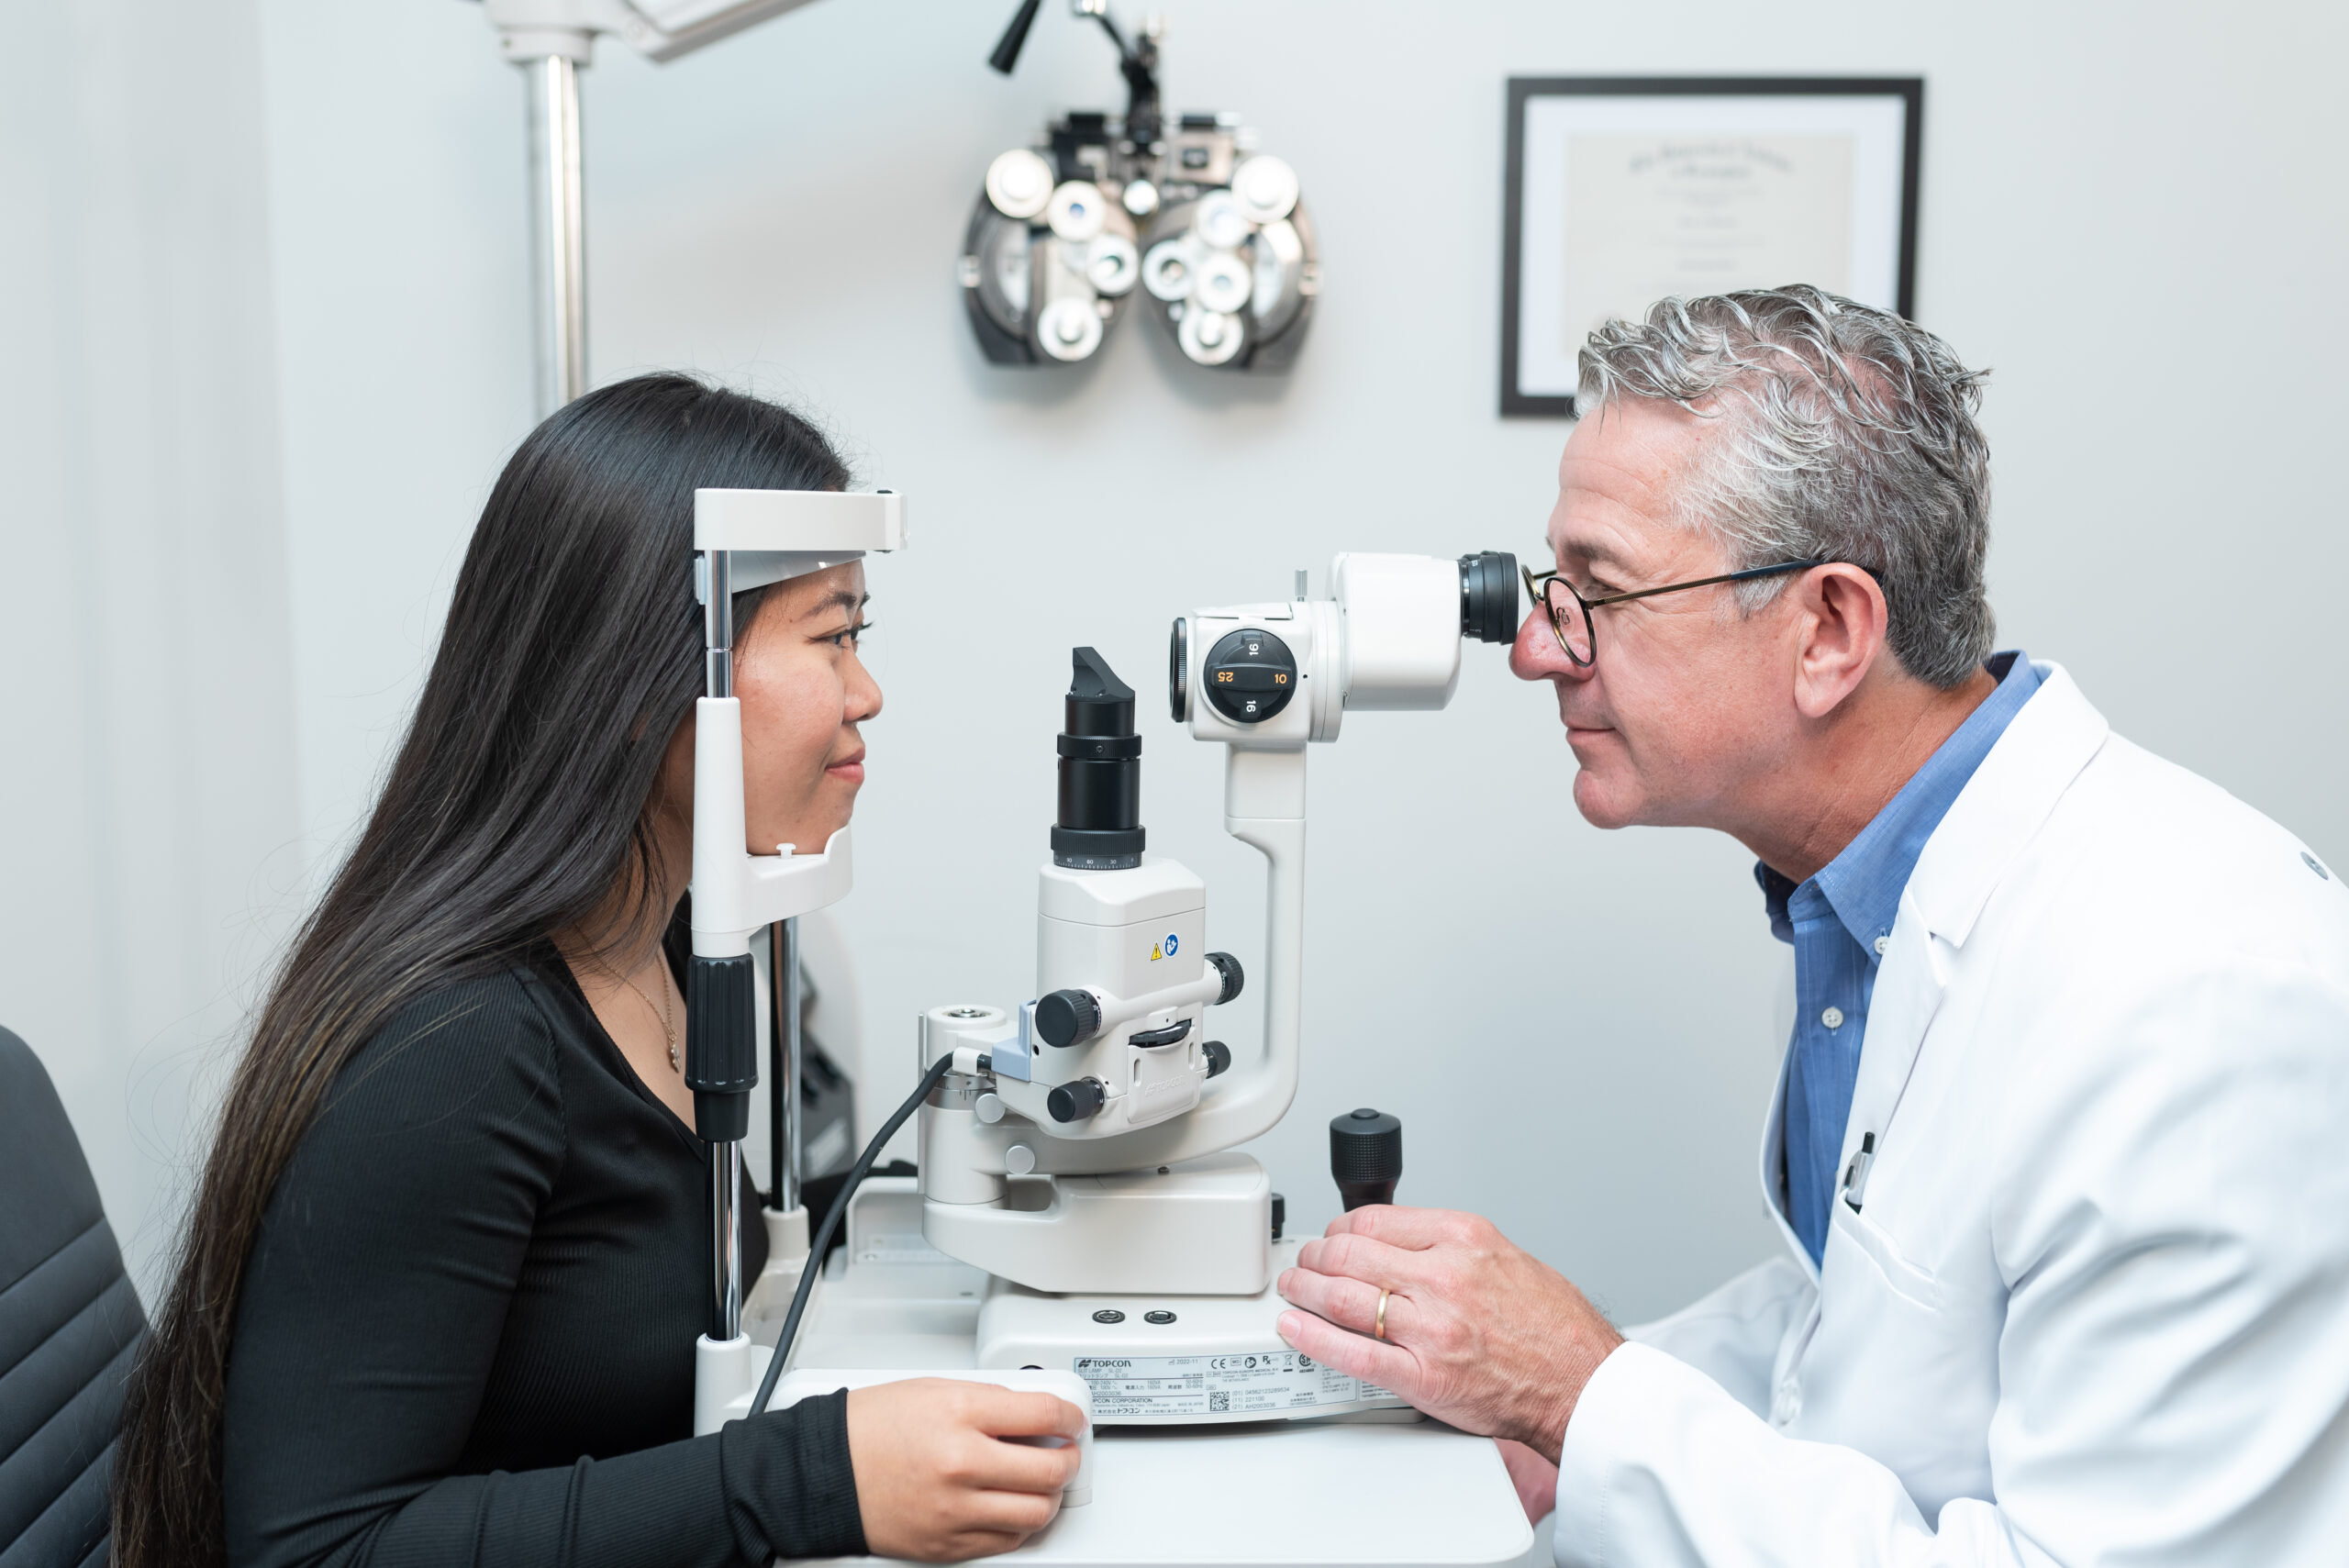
1402,629
1220,1360
776,534
1388,638
1200,1227
1137,940
1313,631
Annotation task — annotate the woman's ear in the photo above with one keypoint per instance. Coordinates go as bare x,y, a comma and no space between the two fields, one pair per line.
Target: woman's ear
1841,624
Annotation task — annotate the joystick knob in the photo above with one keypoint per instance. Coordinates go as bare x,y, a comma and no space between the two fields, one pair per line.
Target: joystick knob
1366,1156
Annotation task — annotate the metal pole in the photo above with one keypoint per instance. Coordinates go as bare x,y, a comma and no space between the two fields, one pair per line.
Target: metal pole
784,1131
726,1251
726,1158
557,230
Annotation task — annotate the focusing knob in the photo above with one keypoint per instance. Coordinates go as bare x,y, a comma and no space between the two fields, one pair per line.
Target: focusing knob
1233,979
1219,1057
1065,1018
1250,674
1366,1156
1074,1102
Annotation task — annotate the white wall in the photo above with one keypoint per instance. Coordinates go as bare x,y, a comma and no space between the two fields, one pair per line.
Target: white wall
2134,216
146,714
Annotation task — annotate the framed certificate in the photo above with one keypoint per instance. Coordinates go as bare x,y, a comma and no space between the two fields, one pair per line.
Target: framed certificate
1622,189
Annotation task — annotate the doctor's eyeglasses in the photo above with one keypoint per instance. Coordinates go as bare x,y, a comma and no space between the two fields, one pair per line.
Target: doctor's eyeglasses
1569,612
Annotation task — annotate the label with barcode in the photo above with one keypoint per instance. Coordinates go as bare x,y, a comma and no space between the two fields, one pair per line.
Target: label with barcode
1253,1386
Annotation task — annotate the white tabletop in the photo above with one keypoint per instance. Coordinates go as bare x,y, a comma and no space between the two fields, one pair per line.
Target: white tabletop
1285,1494
1312,1494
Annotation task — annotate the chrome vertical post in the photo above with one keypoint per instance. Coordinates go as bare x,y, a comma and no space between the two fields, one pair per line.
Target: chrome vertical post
557,230
725,1253
786,1135
725,1158
718,623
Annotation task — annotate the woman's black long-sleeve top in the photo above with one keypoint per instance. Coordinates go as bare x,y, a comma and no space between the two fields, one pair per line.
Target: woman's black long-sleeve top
466,1332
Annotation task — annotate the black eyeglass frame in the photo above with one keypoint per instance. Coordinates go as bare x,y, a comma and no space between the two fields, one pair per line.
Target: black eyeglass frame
1537,586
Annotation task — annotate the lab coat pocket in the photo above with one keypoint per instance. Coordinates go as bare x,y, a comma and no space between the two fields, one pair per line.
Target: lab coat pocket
1904,1367
1910,1281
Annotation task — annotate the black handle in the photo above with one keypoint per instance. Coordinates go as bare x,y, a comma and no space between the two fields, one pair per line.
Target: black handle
1366,1156
721,1045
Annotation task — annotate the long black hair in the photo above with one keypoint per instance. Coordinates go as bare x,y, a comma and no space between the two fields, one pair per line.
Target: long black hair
516,807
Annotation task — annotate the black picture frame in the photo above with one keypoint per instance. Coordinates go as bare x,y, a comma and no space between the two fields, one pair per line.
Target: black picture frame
1523,90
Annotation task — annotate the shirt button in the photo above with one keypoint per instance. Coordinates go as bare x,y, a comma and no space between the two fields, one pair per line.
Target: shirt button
1882,943
1832,1018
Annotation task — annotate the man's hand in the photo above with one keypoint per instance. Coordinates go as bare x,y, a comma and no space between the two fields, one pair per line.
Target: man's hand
1535,1478
1479,1333
936,1479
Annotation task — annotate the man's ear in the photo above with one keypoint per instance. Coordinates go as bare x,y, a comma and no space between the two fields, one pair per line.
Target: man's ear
1841,621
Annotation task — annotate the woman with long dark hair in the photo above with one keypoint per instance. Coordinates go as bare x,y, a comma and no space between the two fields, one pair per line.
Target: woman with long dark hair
438,1298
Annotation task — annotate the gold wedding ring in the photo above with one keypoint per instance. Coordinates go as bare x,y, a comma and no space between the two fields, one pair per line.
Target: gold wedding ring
1379,1330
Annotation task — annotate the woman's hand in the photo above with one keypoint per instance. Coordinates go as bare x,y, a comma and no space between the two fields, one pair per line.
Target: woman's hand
936,1479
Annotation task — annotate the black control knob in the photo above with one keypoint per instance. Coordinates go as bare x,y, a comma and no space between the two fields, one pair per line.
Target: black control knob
1074,1102
1250,677
1219,1057
1067,1017
1366,1156
1488,583
1234,977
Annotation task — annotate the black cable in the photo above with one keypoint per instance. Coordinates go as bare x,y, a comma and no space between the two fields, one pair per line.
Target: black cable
822,1238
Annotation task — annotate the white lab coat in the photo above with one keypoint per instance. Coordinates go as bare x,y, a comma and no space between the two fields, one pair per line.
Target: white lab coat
2094,1306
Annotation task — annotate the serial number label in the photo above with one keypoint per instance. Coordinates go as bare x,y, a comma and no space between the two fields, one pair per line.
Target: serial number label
1260,1384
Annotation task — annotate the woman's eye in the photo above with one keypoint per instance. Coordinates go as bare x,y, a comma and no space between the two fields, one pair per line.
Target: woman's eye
849,637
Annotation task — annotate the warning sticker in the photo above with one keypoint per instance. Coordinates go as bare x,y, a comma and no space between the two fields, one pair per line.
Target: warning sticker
1253,1386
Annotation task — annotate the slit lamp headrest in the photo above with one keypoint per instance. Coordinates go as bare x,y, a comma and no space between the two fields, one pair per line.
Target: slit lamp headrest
776,535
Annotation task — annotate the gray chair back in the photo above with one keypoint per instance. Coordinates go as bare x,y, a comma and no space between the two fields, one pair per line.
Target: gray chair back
69,1328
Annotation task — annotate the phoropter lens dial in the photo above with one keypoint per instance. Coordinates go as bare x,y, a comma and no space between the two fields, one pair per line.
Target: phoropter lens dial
1250,677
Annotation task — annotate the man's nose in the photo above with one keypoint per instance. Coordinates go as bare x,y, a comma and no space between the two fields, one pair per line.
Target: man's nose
1536,655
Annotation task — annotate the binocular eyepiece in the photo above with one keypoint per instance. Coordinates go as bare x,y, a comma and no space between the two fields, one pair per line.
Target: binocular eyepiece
1488,596
1388,637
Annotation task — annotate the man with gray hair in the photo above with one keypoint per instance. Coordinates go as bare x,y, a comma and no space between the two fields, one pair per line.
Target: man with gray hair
2060,1150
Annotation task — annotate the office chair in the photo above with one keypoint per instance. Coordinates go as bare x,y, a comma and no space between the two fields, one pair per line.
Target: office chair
70,1329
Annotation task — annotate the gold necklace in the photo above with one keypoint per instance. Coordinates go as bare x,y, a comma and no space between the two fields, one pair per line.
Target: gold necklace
668,1025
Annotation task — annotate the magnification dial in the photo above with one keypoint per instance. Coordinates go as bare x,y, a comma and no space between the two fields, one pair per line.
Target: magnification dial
1250,675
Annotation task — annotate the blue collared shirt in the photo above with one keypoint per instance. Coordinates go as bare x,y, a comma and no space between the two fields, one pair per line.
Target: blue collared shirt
1838,923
